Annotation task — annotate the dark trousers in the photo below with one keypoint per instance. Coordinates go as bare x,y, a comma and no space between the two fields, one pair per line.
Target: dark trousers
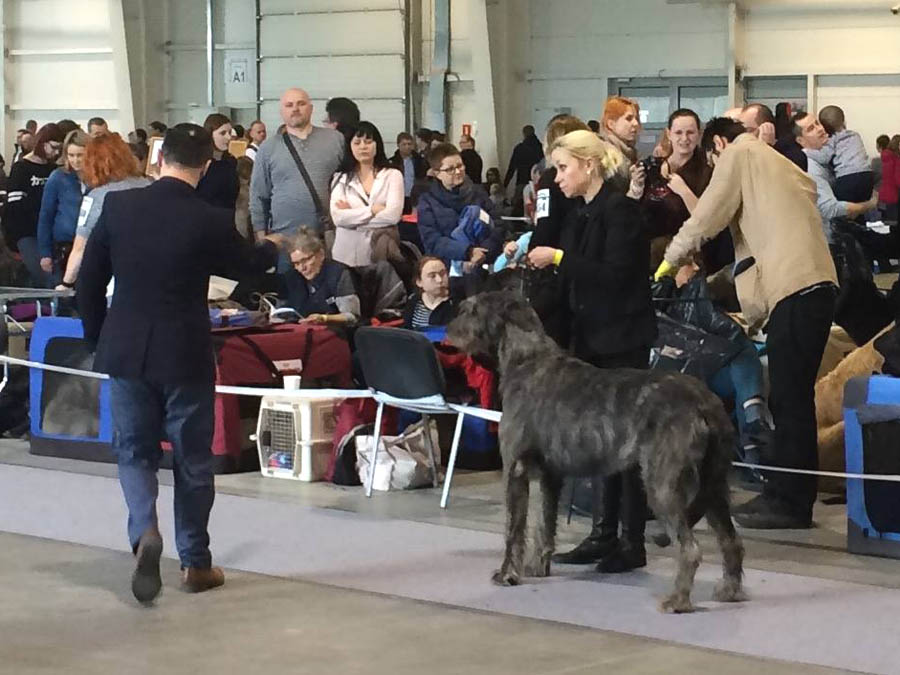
797,332
855,187
143,413
619,497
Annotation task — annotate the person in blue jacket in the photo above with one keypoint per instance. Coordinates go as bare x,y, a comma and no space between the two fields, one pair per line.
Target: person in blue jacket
439,212
60,206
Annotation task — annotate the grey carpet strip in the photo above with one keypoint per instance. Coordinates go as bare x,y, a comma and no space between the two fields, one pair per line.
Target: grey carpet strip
789,617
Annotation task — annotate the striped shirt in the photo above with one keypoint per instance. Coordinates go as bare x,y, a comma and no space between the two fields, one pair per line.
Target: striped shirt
421,317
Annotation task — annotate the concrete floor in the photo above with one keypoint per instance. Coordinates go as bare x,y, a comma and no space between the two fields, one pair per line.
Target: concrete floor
67,608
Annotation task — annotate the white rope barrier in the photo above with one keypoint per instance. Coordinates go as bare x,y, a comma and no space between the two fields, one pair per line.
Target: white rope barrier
889,478
308,394
492,415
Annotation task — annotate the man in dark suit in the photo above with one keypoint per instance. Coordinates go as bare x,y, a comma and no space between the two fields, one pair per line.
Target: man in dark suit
161,243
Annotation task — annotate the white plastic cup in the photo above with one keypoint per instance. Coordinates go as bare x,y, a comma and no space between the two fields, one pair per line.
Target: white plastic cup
291,382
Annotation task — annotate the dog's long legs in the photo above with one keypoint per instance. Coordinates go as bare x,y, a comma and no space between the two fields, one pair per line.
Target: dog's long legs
545,529
718,515
688,561
516,520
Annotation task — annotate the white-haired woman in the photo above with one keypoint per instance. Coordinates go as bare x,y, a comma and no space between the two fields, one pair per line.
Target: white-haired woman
603,259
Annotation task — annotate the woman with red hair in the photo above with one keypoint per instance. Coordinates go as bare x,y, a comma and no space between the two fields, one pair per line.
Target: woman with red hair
109,166
621,127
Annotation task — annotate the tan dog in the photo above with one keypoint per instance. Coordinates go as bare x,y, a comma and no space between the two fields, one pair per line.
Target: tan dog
864,360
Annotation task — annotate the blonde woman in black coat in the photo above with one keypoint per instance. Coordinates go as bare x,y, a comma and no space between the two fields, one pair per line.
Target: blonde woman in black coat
603,258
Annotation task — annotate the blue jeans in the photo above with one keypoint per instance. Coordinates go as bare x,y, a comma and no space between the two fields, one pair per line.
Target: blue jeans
741,378
31,256
143,413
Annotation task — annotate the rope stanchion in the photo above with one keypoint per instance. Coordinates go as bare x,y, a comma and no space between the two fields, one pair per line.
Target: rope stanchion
314,394
888,478
320,394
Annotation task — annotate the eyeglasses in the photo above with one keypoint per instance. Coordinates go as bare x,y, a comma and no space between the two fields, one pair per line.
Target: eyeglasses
304,260
457,168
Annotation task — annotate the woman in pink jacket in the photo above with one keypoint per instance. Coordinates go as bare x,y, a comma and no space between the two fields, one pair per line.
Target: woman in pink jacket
889,192
366,203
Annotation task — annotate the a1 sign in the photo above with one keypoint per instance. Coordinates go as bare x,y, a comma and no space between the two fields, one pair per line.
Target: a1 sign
237,71
466,129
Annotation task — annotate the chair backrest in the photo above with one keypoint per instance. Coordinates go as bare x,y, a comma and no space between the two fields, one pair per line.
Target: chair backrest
4,335
400,363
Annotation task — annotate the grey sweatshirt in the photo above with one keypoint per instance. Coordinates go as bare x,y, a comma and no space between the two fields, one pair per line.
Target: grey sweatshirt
279,198
845,151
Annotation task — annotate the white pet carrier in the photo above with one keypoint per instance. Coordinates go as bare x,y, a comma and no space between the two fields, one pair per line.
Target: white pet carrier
294,437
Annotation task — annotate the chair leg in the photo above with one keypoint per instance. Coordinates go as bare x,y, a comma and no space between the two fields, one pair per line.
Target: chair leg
426,425
452,462
377,440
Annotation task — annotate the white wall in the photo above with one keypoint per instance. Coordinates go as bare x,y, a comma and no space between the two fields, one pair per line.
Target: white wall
851,58
64,64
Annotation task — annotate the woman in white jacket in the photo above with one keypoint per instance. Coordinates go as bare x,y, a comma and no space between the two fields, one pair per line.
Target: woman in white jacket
366,203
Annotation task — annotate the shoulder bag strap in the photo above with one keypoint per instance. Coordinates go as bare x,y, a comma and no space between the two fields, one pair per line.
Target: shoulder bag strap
320,212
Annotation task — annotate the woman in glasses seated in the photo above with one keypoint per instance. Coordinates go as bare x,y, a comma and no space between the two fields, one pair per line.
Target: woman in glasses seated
319,290
439,212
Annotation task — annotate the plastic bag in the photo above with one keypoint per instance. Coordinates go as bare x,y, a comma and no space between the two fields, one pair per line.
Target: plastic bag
404,462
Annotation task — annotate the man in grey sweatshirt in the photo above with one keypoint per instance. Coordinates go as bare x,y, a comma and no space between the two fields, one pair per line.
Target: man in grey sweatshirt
280,202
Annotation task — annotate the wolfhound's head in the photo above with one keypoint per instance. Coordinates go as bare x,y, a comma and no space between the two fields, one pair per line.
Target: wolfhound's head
496,326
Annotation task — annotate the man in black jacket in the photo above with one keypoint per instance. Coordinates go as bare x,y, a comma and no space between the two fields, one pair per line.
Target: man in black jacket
525,155
161,243
411,164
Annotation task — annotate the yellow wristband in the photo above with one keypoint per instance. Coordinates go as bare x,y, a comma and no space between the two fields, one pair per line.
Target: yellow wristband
557,257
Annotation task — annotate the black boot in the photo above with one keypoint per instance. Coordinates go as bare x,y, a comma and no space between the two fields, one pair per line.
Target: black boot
603,538
630,553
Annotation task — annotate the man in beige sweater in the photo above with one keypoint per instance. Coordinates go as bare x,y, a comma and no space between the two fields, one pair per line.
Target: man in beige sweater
786,282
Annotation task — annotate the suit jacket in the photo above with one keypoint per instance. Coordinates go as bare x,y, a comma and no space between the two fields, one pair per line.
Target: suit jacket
420,166
606,255
161,243
770,204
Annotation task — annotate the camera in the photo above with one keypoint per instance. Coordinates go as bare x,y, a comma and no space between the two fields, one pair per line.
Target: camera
652,165
895,10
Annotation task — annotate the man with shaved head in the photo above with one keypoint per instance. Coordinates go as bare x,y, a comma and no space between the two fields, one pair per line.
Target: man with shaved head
281,200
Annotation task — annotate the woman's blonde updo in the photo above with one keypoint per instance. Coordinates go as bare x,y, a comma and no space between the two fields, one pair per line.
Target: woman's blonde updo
587,145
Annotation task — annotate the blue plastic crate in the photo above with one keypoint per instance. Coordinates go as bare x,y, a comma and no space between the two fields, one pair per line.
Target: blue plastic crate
60,341
872,446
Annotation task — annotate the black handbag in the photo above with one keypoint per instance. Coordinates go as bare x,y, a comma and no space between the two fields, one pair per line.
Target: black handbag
323,217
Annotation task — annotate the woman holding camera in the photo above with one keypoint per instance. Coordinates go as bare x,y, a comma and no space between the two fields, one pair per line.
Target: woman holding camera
672,188
602,258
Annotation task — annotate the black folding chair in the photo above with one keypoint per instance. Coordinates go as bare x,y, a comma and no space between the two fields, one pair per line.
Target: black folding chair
402,370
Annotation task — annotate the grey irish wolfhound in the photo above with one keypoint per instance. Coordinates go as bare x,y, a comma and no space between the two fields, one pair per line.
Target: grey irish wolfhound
562,416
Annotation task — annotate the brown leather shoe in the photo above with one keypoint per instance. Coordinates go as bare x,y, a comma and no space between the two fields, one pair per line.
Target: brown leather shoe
197,579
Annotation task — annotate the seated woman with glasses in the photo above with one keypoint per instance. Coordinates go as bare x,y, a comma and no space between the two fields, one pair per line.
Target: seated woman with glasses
463,239
321,291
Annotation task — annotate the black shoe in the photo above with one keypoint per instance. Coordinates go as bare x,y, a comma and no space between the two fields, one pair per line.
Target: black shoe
756,438
146,582
624,559
588,551
758,503
765,513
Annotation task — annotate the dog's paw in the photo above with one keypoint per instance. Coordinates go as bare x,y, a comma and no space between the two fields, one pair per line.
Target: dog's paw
728,591
502,578
676,604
